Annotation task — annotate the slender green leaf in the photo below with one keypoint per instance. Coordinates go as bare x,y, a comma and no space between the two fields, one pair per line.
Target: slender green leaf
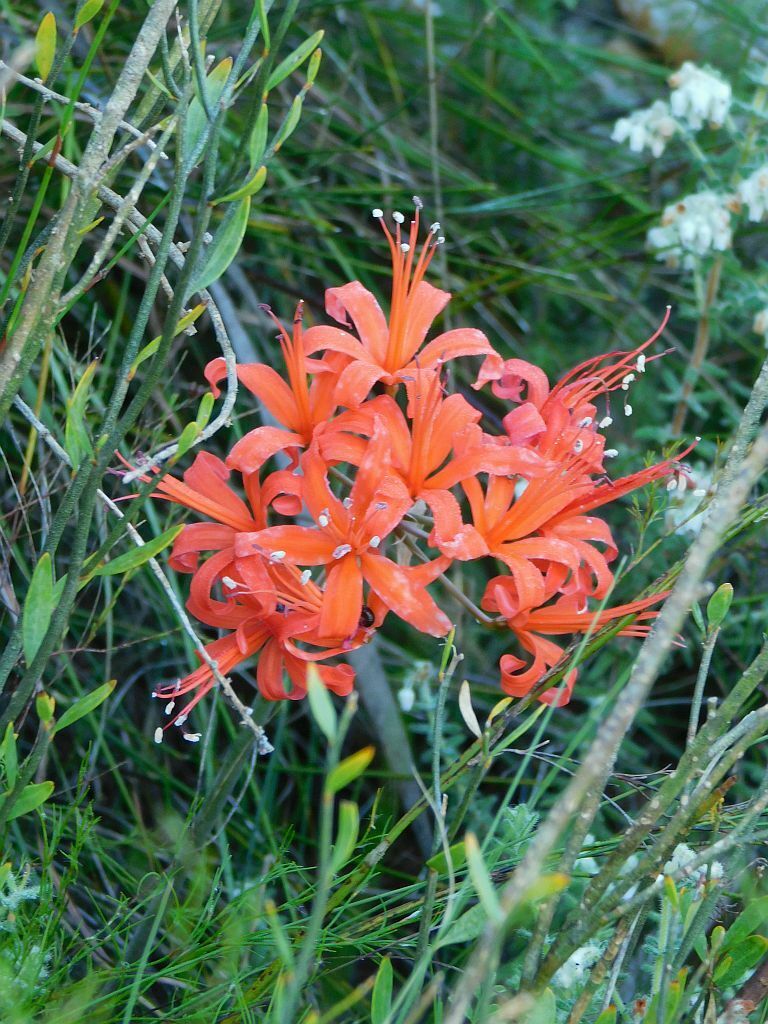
225,245
9,757
381,998
32,796
87,13
76,437
294,60
45,45
257,143
288,126
346,836
349,769
254,184
197,119
138,556
84,706
481,878
38,607
320,704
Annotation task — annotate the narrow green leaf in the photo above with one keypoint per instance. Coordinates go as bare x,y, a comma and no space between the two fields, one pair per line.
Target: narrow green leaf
224,246
346,836
288,126
752,918
87,13
204,410
481,878
38,607
197,119
187,438
718,606
138,556
320,704
439,862
84,706
381,998
294,60
264,24
32,796
45,45
9,757
740,959
254,184
77,440
258,140
314,66
349,769
698,618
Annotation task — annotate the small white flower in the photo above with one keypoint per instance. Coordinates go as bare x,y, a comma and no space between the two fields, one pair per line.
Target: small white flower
753,192
406,696
699,95
693,226
684,514
649,128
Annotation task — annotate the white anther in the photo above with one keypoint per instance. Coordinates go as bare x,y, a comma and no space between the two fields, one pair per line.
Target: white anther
434,228
375,541
586,422
170,706
700,492
377,213
192,737
672,484
417,202
397,217
324,518
626,381
277,556
305,577
641,363
404,247
158,735
611,453
177,687
606,421
229,583
380,506
440,239
180,720
347,503
579,446
342,550
627,410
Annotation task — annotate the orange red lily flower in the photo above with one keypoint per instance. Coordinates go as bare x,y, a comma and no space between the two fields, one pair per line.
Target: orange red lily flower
388,481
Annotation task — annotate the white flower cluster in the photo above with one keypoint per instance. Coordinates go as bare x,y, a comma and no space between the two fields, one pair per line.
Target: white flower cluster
652,128
693,226
753,192
699,95
686,512
682,855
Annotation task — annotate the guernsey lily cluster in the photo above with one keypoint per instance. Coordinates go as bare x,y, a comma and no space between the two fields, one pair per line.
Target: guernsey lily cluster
375,478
